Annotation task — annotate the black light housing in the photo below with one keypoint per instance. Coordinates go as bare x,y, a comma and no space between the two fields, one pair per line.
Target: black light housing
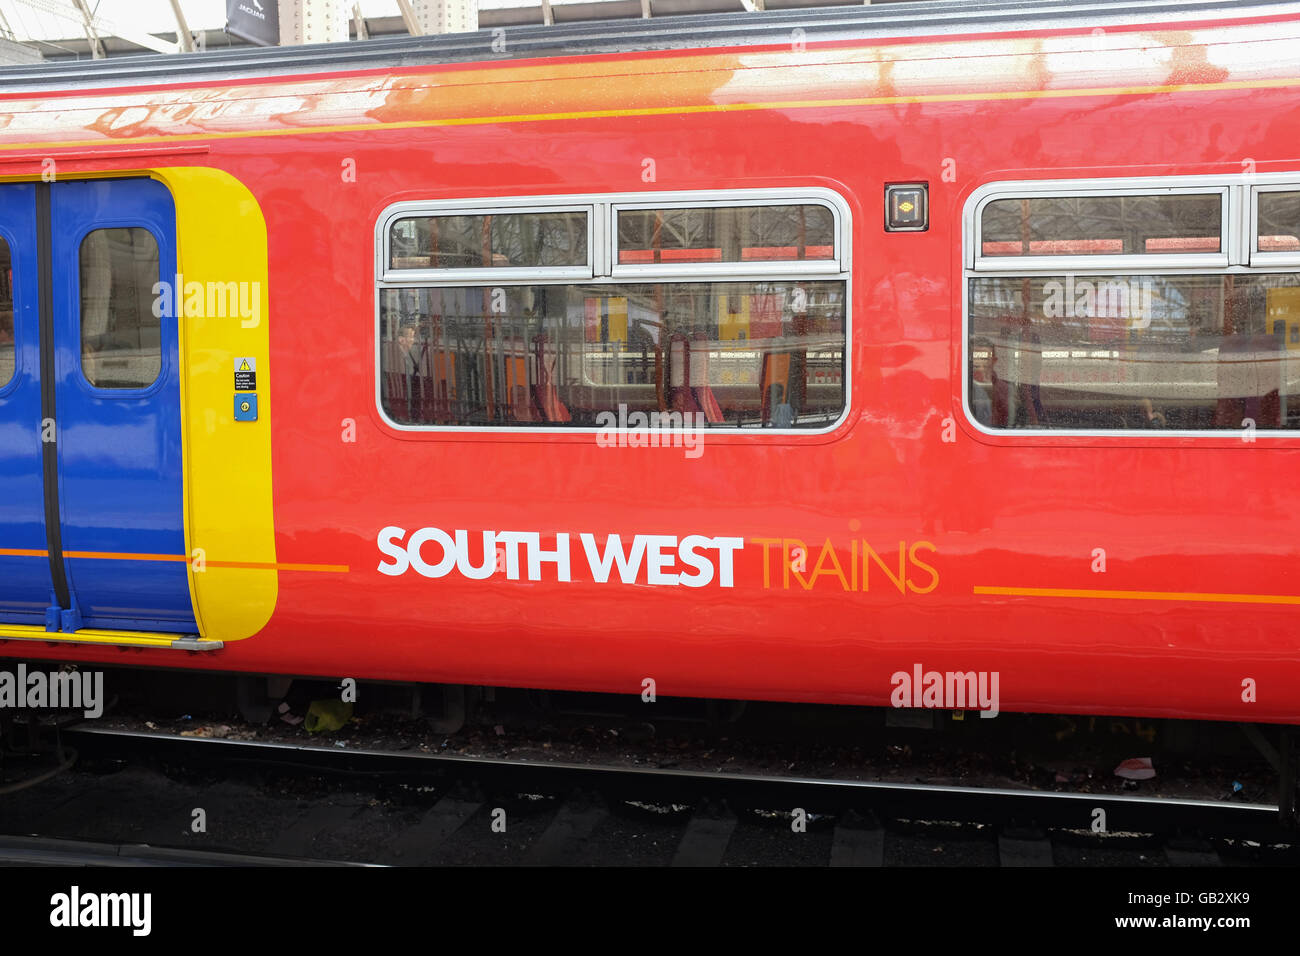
907,207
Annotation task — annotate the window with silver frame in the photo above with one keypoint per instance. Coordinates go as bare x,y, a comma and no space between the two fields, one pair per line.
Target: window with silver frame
572,312
1131,307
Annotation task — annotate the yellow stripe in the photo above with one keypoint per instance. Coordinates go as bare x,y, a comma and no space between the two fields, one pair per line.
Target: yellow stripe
1201,596
678,110
25,632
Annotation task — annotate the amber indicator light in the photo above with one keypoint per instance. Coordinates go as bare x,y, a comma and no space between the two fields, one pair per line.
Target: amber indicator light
907,207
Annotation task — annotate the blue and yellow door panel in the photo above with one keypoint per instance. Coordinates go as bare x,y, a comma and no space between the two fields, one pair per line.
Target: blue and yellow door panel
165,507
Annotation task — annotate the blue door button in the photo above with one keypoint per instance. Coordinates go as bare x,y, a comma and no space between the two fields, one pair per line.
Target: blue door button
246,407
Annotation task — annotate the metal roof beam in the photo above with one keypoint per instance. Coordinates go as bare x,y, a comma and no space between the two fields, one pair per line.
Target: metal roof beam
409,18
182,28
88,24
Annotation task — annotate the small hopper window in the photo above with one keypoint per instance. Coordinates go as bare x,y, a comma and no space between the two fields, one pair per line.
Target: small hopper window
1098,225
1279,222
770,233
479,241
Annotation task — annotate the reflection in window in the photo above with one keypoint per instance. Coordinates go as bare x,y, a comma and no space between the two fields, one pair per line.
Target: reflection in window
481,241
1194,352
1279,222
1102,225
725,234
120,335
7,355
738,354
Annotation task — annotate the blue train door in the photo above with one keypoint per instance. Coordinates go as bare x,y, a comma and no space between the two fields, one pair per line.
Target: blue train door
25,582
94,411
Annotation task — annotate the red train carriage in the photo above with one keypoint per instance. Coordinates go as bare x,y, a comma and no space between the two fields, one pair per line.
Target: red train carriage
847,348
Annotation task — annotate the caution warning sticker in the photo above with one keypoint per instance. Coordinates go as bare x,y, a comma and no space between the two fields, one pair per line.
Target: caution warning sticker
245,373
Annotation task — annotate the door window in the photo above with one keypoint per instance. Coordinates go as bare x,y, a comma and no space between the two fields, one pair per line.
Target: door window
120,329
6,315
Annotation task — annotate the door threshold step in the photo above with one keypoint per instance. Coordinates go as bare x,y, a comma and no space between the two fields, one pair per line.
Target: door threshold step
90,635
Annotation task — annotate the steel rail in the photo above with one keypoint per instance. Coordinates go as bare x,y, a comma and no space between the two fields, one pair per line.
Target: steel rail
888,799
47,851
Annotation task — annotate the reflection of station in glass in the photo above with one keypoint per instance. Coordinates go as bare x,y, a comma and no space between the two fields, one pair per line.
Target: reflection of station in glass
782,411
984,383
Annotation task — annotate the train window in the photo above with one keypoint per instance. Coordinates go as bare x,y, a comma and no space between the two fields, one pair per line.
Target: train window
476,241
7,354
735,354
720,310
1103,225
1127,352
120,334
1278,224
775,232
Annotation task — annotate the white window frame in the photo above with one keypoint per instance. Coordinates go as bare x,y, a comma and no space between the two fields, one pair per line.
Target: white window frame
415,210
602,222
1237,258
1269,259
1059,188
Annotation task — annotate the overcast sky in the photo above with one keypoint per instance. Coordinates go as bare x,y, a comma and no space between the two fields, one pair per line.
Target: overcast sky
30,20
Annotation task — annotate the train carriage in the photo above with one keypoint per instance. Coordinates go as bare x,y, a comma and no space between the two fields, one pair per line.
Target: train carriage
769,361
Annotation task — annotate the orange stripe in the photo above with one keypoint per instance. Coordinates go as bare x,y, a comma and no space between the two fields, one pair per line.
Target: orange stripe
1200,596
124,556
274,566
178,558
679,110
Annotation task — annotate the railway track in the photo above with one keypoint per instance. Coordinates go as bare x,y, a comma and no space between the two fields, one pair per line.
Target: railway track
46,851
404,808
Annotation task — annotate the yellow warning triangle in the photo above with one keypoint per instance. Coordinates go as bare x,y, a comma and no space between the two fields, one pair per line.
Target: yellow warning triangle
244,366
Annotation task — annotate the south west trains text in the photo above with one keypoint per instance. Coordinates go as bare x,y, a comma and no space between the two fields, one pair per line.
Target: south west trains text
693,560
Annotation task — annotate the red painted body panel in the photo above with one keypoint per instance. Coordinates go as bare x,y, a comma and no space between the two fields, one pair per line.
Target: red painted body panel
1173,514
